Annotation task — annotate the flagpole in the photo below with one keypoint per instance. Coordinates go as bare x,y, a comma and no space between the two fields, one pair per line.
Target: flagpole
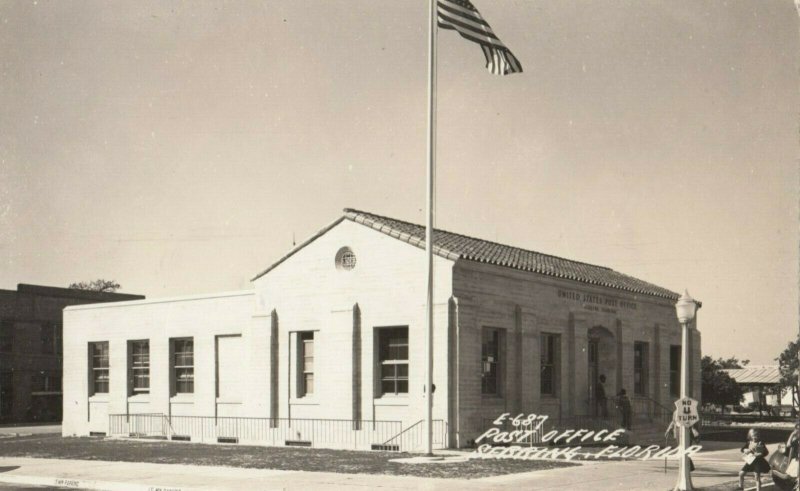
429,225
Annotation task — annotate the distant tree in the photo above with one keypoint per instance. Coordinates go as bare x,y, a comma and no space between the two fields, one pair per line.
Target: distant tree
788,365
732,362
99,285
718,387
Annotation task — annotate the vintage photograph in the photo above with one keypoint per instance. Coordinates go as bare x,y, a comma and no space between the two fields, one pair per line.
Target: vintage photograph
416,244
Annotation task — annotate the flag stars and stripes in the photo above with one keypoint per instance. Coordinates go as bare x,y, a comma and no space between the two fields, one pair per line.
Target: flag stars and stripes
463,17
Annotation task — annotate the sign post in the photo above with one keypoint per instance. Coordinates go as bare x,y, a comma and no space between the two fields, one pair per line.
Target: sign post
686,414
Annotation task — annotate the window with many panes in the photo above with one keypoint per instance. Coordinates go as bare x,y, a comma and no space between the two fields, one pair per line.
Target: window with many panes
393,360
305,358
550,363
139,366
490,360
46,383
675,371
183,365
640,364
50,338
98,360
6,393
6,335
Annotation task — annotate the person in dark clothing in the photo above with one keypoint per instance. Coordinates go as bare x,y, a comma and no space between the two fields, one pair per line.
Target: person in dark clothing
624,405
754,452
600,397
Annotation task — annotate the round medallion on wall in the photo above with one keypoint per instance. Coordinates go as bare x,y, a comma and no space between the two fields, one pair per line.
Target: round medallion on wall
345,259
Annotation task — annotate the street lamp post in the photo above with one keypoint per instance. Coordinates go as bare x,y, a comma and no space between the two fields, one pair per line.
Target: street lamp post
685,308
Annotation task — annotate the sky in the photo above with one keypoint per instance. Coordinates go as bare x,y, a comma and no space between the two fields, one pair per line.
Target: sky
179,147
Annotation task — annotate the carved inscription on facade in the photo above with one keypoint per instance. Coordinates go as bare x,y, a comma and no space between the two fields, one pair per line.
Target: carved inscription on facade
597,303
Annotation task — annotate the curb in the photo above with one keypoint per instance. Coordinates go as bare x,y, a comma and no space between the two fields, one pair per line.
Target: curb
63,482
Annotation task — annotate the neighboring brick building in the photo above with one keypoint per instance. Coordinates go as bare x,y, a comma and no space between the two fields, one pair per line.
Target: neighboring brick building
335,330
31,349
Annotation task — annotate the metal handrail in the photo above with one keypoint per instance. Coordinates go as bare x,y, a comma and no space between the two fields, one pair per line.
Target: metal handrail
402,432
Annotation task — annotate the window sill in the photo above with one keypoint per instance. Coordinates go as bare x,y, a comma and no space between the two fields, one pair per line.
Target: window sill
228,401
492,397
139,398
103,397
304,401
391,400
182,399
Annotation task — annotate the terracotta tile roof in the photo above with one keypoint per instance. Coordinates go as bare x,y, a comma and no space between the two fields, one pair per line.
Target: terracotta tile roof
456,246
756,374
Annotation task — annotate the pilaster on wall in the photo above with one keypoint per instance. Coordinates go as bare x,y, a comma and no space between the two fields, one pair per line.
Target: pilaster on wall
356,363
570,392
515,395
579,327
695,355
620,359
468,393
257,343
655,366
454,440
531,362
273,366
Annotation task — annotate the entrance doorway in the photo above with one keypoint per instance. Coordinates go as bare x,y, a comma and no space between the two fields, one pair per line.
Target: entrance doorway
601,363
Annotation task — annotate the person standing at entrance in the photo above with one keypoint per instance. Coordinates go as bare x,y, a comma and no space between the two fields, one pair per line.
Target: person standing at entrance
600,397
624,405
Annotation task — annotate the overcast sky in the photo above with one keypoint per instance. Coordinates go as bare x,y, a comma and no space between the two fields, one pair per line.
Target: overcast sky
178,147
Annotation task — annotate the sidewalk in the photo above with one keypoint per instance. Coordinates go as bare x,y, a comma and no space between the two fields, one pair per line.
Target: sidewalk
42,429
712,468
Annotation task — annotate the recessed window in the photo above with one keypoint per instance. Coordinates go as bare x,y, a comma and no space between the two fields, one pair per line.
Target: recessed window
491,359
6,335
46,383
345,259
550,363
305,358
6,393
50,338
183,365
98,358
140,366
393,359
674,370
640,363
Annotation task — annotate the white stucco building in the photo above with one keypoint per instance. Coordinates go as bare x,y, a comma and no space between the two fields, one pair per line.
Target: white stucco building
327,348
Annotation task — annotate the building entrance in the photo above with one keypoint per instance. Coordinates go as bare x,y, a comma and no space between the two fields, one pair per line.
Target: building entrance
601,362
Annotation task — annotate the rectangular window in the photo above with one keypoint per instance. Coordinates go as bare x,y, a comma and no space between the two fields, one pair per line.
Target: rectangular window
640,364
139,366
305,359
58,334
98,361
550,363
490,359
6,393
183,365
46,383
393,360
50,338
6,335
675,371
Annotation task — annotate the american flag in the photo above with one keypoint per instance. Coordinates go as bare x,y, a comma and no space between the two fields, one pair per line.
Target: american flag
462,16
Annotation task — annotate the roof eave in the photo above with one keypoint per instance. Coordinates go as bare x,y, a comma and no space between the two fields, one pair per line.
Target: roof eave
300,246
